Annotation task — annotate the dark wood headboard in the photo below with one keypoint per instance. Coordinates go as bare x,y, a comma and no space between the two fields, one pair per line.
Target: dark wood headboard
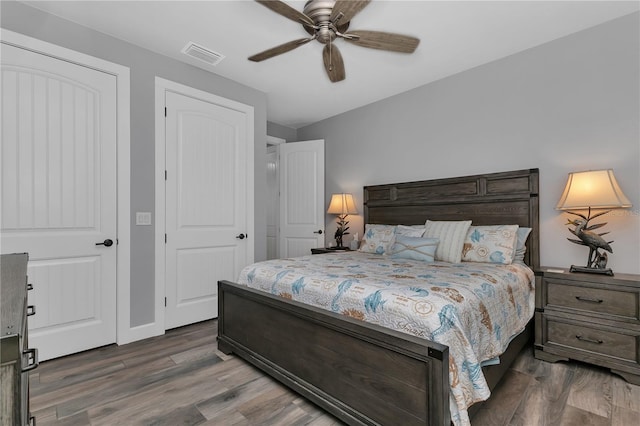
506,198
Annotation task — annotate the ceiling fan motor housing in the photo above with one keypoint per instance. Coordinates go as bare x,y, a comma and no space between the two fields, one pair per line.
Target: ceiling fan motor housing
320,12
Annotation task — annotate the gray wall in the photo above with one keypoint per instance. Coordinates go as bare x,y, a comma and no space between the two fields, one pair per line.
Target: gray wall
144,67
568,105
283,132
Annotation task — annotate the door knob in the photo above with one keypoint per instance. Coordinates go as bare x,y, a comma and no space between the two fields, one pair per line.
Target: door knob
240,237
106,243
319,231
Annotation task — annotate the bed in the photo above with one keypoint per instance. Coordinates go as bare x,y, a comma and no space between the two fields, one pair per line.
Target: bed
361,372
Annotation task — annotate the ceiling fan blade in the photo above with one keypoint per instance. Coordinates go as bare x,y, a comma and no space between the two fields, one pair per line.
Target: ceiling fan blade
287,11
383,41
278,50
333,63
349,9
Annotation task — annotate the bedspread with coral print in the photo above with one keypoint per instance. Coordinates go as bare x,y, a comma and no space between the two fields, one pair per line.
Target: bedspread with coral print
474,308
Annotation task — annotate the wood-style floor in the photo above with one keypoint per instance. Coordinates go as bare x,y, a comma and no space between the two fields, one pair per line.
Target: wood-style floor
182,379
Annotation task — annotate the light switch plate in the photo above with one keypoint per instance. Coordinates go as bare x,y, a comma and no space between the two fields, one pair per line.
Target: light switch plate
143,218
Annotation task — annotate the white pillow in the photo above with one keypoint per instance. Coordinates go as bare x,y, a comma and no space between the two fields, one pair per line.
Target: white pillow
490,244
378,238
451,235
410,231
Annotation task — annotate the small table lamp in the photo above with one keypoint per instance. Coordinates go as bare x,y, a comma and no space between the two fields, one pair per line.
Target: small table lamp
593,189
342,205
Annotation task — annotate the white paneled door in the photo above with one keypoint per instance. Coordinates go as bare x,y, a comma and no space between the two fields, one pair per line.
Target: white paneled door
206,205
59,196
302,207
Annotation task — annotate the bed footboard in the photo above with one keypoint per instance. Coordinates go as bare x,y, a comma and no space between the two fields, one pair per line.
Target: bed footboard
361,373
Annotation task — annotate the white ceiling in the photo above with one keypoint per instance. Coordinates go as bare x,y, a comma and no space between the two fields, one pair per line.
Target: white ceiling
455,36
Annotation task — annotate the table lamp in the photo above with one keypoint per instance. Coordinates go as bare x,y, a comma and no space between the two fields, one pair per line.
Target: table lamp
342,205
593,189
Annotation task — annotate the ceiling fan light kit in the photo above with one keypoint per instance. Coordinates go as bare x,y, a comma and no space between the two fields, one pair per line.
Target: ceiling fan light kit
327,20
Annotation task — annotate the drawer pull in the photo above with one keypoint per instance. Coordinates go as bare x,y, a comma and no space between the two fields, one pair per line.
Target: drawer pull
584,339
587,299
32,359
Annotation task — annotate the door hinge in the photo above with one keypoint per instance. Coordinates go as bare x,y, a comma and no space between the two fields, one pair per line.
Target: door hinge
165,302
165,175
165,238
165,111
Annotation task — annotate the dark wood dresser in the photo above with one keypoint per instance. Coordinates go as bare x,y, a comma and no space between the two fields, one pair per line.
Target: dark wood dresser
590,318
16,358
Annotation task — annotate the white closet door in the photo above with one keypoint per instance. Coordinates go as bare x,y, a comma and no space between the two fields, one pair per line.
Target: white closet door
59,196
302,208
206,205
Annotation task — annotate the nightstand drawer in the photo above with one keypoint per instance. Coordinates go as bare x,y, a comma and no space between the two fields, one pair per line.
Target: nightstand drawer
598,300
585,338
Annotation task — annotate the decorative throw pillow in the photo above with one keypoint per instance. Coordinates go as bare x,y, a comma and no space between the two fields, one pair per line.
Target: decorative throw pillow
377,238
490,244
451,235
521,248
415,248
410,231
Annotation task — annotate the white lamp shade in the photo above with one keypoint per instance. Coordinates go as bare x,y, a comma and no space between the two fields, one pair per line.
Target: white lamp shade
596,189
342,204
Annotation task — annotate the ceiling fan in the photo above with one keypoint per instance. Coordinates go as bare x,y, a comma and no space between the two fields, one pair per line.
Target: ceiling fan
327,20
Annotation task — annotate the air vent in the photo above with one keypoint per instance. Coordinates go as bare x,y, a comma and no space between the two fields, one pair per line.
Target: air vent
202,53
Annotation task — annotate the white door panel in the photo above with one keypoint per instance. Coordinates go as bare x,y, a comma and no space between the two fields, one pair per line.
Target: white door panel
59,195
302,197
300,246
206,205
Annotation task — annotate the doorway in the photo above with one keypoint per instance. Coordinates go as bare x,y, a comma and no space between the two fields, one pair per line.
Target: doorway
273,196
295,185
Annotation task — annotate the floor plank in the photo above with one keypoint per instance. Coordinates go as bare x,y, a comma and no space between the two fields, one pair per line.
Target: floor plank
510,398
181,378
591,392
576,416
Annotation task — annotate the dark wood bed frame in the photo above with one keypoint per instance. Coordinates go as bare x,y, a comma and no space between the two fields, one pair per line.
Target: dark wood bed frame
362,373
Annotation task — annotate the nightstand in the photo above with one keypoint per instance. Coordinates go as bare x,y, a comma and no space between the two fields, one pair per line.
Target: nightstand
323,250
589,318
